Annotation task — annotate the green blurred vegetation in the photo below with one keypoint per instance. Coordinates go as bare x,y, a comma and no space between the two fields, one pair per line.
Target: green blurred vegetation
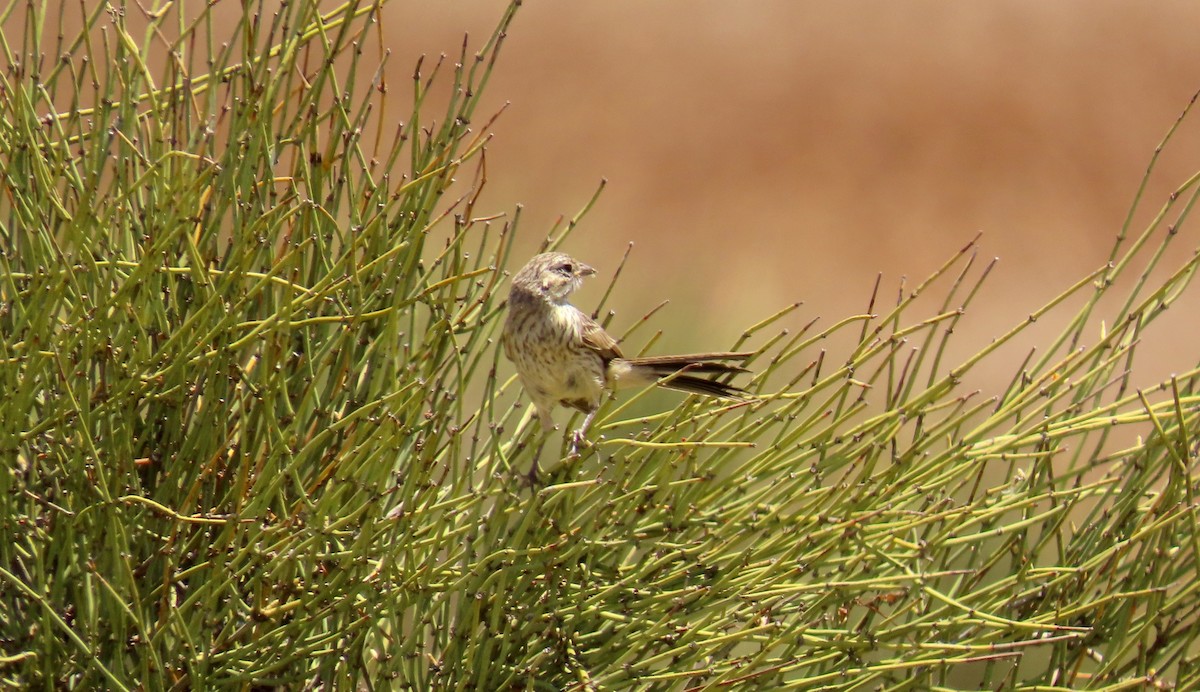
255,432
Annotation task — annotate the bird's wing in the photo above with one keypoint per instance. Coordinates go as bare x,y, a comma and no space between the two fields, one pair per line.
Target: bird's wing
598,340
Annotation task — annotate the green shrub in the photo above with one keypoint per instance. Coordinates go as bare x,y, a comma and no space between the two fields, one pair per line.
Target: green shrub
255,430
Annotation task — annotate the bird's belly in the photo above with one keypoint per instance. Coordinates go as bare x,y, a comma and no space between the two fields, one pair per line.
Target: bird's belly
554,364
562,375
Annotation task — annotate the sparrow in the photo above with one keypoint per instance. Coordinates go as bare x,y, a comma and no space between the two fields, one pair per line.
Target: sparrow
564,357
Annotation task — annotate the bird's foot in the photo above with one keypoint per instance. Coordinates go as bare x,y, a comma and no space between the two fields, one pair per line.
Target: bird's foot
578,440
532,475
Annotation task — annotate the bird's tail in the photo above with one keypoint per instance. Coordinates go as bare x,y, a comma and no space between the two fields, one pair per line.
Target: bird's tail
681,372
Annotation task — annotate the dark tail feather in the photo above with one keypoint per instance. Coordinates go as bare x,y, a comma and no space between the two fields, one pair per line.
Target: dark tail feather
680,372
702,363
699,385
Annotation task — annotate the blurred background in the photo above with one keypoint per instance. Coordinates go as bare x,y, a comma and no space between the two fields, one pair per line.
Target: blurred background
780,151
764,153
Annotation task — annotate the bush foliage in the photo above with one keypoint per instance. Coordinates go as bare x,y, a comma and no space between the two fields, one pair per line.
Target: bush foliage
255,430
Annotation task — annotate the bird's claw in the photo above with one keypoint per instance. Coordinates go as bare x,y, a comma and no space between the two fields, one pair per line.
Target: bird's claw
577,440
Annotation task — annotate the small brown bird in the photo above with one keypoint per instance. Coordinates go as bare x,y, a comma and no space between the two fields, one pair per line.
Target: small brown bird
564,357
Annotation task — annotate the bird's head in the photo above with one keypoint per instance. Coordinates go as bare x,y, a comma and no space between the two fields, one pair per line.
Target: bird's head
552,276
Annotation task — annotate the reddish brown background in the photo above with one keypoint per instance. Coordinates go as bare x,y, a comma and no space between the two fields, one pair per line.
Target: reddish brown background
768,152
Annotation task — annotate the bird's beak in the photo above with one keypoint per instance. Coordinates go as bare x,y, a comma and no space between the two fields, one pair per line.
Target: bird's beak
585,270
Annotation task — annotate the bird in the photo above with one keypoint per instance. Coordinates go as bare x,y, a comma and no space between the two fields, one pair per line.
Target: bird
564,357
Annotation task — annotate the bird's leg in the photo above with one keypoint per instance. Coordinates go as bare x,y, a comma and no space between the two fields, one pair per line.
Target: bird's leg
579,437
532,476
548,426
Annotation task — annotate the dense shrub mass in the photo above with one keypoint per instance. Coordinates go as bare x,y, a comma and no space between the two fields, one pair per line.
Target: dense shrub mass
255,429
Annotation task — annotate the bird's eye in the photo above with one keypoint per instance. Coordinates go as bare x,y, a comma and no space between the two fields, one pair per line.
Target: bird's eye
566,268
